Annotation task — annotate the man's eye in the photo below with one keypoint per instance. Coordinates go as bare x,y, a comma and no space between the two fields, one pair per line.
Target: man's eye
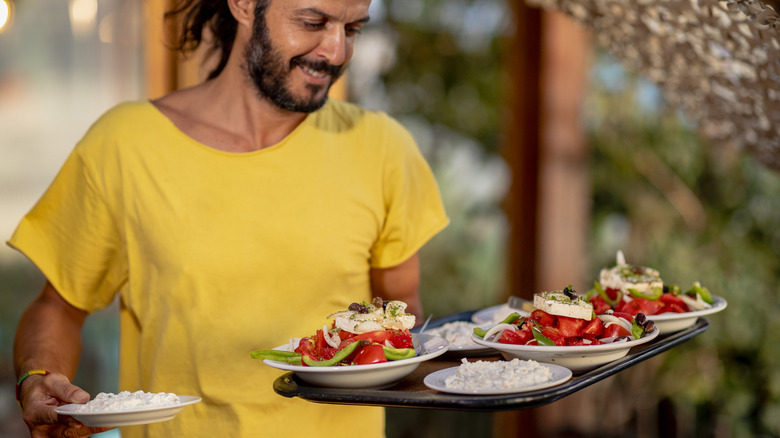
350,31
313,25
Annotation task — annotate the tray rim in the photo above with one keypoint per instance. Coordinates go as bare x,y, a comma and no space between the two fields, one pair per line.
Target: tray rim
288,385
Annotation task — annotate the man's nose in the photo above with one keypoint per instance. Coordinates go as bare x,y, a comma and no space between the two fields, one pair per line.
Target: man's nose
334,46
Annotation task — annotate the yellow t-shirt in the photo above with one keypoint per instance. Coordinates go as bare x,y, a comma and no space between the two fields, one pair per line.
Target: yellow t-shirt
216,254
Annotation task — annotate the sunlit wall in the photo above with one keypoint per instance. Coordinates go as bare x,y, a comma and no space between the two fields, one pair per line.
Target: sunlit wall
62,63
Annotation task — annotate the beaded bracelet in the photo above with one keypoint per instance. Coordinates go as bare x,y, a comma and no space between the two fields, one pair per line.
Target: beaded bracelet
21,379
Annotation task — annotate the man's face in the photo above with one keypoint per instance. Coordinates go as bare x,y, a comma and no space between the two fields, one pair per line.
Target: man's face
294,60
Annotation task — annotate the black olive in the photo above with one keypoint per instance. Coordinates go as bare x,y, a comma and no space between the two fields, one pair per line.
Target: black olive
624,337
649,327
570,292
357,307
640,319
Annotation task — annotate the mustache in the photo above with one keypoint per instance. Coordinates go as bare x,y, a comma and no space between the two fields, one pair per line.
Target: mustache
321,66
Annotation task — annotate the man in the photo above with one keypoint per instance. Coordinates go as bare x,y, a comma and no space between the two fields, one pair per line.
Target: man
229,217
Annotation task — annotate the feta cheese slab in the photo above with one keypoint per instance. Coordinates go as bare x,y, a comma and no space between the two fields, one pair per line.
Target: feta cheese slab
558,303
623,277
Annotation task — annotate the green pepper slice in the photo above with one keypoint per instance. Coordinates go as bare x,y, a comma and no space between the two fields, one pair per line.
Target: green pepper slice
514,316
637,330
654,294
703,292
398,353
277,355
603,294
540,338
338,357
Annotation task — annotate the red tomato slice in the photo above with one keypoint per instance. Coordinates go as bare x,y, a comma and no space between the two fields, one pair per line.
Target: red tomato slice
542,317
594,328
375,337
401,339
369,354
640,305
320,342
673,303
627,316
570,327
554,335
519,337
599,305
615,330
613,294
306,346
576,341
674,308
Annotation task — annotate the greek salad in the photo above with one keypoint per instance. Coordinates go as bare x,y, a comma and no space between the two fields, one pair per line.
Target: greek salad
365,333
630,289
563,318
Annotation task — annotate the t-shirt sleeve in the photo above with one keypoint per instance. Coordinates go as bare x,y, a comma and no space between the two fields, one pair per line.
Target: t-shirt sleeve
72,237
414,209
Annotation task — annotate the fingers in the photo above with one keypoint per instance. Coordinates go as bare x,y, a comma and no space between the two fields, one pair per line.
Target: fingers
66,392
41,396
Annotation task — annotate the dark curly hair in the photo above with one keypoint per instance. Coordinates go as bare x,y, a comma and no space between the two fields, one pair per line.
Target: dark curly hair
191,17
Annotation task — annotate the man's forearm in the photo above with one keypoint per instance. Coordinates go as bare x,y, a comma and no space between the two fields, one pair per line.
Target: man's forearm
49,335
401,283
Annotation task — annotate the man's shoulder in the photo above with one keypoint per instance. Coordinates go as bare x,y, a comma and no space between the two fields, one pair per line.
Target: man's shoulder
128,111
123,123
353,114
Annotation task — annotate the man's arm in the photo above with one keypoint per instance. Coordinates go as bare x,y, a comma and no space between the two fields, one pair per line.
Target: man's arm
400,282
49,338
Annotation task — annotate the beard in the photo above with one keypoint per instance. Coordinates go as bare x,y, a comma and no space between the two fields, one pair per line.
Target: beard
270,73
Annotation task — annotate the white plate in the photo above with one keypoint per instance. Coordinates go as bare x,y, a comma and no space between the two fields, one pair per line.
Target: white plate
362,376
577,358
494,314
436,380
674,322
470,349
129,417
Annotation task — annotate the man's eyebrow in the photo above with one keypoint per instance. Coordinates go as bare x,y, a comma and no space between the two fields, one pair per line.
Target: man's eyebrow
319,12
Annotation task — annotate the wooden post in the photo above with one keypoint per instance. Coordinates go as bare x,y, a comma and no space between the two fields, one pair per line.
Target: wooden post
161,63
521,149
548,201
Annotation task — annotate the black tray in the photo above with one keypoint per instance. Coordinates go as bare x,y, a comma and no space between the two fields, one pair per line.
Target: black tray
410,392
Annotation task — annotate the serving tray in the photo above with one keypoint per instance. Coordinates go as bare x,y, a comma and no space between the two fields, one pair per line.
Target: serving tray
411,392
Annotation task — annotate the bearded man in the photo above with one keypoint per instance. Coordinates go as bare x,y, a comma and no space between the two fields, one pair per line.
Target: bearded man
227,217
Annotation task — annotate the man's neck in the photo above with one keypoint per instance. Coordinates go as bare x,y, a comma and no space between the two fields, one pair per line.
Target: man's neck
227,114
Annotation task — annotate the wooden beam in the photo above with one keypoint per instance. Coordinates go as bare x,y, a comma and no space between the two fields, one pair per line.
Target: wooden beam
522,64
161,63
521,146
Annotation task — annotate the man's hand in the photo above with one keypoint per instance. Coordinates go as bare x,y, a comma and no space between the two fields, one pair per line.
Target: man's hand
40,395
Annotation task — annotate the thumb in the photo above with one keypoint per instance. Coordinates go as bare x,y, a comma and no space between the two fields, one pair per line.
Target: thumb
67,392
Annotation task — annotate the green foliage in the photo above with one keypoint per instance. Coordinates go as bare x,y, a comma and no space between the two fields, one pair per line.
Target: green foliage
444,86
695,210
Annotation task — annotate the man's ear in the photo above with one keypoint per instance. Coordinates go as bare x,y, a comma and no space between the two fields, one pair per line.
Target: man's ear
243,11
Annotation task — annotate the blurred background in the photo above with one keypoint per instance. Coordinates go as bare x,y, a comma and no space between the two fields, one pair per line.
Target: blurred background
550,157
